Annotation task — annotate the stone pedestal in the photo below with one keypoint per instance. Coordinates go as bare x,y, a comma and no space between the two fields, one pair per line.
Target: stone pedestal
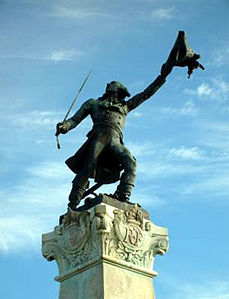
106,252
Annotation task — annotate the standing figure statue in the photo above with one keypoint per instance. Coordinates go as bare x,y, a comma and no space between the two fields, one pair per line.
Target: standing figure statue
104,157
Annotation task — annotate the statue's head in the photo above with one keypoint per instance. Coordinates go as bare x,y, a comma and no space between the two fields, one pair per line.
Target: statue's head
117,89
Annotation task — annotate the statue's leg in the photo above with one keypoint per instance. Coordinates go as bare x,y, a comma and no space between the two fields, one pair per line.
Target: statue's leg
127,180
79,186
80,182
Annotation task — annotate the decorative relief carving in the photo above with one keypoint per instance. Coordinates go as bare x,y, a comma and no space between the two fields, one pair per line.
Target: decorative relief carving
122,235
133,240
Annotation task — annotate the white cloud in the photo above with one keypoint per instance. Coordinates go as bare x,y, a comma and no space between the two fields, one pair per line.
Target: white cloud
55,55
208,162
141,149
216,90
216,183
19,232
157,160
184,153
32,207
214,139
36,118
64,55
52,170
219,127
188,109
135,114
162,14
166,169
148,200
205,89
221,57
43,118
71,12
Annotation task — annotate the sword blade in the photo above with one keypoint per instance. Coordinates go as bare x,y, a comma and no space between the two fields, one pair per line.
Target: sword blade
73,103
79,91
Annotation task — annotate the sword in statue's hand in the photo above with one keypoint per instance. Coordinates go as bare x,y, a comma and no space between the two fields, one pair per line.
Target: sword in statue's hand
58,129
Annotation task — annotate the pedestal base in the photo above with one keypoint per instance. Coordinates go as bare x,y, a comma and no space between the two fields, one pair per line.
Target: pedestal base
106,252
107,280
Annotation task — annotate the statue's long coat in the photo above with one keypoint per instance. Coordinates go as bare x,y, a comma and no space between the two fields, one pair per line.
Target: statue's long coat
109,120
107,171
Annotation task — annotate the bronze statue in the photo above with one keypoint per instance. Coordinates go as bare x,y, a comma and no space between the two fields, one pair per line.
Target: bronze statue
104,156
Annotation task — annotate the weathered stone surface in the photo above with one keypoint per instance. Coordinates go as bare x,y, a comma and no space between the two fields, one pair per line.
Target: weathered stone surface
90,202
104,249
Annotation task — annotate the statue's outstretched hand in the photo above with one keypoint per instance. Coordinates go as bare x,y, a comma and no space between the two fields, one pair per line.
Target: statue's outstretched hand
182,55
61,128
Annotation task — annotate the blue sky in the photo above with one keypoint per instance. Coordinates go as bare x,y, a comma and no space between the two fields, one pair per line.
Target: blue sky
179,137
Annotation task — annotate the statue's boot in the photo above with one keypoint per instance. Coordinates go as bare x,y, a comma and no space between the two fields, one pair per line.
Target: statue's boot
79,186
127,180
123,191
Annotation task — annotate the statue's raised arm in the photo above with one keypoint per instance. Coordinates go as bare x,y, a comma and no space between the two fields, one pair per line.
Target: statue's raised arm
139,98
